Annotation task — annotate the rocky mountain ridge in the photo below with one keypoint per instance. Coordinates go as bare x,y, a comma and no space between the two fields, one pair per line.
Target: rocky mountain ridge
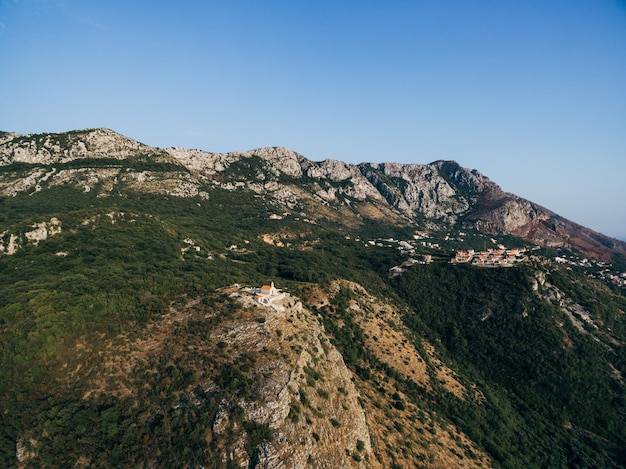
434,195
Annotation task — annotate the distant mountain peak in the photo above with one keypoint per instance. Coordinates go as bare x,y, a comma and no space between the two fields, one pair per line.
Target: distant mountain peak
50,148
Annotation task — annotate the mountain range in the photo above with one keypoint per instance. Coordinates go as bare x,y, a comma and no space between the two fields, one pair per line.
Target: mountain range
134,331
441,192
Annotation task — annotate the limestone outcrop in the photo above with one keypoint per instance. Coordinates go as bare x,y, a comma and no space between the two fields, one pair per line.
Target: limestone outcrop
305,394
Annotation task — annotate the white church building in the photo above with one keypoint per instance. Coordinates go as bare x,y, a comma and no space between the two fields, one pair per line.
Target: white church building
267,294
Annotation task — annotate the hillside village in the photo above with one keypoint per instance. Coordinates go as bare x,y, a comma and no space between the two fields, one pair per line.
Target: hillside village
501,257
594,269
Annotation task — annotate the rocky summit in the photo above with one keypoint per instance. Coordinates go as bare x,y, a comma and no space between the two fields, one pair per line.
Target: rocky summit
181,308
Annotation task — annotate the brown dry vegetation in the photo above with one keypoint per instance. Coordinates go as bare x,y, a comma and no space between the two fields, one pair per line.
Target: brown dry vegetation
298,374
402,433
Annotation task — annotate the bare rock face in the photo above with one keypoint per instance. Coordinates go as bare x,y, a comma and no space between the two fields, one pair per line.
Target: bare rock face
427,191
203,161
64,147
499,212
331,169
353,183
415,189
10,242
41,231
305,395
7,136
278,160
281,160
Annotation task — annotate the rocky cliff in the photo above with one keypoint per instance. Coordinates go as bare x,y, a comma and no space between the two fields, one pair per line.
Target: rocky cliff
294,391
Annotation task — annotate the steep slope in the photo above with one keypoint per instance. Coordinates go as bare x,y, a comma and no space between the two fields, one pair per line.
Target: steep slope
384,356
498,212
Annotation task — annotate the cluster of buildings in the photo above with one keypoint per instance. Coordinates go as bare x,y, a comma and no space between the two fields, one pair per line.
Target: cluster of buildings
594,269
190,245
403,246
400,269
608,276
500,257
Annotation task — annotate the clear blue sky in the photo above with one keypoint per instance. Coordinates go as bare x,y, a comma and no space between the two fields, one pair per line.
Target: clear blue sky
532,93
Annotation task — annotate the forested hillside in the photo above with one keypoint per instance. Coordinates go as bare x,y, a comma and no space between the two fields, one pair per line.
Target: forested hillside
130,335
